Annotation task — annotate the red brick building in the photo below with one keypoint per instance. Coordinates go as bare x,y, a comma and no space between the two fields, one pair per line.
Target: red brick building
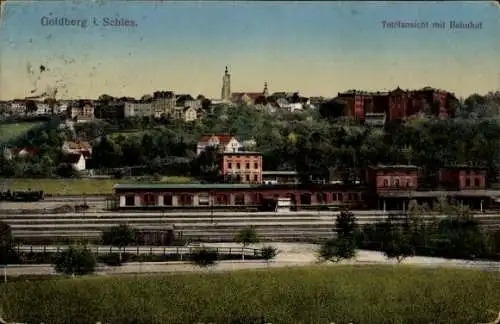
355,103
463,178
398,103
393,177
243,167
130,196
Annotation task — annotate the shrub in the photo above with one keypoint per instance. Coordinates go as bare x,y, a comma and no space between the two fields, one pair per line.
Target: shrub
337,249
268,253
204,257
75,261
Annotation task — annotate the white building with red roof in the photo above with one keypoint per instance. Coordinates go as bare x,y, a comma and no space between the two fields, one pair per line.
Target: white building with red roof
227,143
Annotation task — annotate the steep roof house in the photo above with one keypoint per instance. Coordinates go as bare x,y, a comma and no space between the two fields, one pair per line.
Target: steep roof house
190,114
20,152
228,143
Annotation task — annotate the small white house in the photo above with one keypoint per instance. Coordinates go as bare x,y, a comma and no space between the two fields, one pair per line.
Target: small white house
77,161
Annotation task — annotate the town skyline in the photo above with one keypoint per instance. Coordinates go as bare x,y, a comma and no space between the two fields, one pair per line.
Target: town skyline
283,44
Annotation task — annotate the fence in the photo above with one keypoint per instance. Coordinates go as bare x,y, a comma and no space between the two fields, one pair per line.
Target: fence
139,250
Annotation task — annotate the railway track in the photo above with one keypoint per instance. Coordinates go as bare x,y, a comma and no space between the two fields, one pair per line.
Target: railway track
203,226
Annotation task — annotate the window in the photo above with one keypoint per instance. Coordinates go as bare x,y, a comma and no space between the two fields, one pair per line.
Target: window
229,165
239,199
149,199
238,166
247,165
129,200
256,165
247,177
477,182
334,196
186,199
255,178
386,183
167,200
467,181
396,183
408,183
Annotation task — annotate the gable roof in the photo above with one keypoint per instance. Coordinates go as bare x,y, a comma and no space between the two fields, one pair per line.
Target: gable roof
28,150
223,138
82,145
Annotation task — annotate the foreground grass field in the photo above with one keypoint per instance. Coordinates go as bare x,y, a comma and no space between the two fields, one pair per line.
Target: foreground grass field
11,131
74,186
342,294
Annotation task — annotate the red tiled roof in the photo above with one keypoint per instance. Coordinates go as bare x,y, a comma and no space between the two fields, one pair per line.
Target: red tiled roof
83,145
205,138
223,138
29,150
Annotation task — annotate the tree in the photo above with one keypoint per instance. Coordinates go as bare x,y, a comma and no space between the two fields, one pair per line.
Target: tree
344,245
120,236
66,170
246,236
345,225
204,257
337,249
268,253
7,253
397,240
75,260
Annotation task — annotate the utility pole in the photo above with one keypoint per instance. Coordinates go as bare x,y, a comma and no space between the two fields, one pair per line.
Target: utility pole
212,206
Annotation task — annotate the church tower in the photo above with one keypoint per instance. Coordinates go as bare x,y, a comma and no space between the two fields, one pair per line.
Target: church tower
226,86
266,91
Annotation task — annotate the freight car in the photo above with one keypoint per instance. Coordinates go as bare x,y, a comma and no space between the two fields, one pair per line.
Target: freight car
21,196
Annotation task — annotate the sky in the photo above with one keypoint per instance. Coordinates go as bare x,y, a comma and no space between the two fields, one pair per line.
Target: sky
316,48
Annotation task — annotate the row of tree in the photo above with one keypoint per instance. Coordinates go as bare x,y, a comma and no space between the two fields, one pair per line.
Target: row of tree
458,235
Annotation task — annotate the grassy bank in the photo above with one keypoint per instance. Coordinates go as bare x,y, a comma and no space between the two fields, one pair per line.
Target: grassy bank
10,131
359,294
74,186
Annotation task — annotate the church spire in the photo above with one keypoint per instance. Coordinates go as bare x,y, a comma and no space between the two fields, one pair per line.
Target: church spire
226,86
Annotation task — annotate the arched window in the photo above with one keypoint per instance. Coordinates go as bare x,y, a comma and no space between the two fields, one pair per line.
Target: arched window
396,183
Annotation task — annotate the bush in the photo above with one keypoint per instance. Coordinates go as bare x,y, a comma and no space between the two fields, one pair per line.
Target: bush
75,261
268,253
204,257
337,249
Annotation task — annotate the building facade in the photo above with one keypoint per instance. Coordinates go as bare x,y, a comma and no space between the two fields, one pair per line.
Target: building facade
463,178
130,196
242,167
